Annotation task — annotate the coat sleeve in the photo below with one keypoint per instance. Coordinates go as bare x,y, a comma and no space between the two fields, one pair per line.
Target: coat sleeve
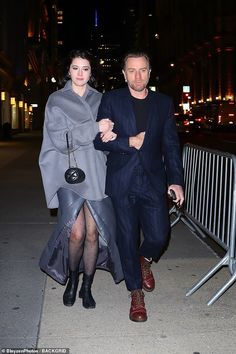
119,145
171,150
57,125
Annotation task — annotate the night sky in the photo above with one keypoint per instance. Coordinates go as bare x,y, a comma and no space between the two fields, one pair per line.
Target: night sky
79,18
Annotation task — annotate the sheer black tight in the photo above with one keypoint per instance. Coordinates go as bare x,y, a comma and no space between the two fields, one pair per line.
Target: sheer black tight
83,242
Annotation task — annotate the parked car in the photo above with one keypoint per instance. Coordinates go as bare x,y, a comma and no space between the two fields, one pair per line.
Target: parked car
184,123
203,122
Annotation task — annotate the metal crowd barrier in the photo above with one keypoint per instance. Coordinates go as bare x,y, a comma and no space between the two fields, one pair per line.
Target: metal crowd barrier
210,205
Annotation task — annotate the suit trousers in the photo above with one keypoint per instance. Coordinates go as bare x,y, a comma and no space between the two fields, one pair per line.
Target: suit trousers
141,209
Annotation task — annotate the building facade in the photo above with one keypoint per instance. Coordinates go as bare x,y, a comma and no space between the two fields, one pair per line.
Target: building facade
196,49
28,57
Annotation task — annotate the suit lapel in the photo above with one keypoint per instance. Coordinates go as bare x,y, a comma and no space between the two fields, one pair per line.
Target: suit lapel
153,113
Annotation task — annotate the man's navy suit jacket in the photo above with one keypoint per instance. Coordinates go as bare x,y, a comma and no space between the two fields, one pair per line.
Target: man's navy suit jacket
160,153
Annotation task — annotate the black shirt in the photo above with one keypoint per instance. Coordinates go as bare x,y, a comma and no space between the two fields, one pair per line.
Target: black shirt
141,112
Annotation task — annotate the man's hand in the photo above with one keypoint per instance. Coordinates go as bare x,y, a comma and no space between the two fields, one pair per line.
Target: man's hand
137,140
179,193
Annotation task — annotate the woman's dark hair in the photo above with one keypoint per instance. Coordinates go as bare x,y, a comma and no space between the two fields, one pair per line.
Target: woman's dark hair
79,53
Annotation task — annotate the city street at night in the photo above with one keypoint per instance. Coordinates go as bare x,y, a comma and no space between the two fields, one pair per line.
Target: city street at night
32,312
79,78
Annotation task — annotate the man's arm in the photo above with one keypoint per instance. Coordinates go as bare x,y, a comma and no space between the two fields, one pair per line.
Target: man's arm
120,144
111,142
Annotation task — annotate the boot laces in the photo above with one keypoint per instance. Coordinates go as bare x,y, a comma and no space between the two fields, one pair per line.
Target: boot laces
146,268
137,298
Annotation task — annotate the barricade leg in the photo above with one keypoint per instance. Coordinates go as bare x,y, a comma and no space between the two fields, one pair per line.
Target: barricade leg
222,290
174,210
174,222
191,225
224,261
180,217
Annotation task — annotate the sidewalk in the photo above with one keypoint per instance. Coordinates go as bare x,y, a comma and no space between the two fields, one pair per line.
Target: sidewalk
32,312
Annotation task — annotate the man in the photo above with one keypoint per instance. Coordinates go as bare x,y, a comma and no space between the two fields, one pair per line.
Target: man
143,164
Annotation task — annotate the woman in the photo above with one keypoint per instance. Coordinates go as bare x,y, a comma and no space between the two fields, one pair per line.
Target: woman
84,237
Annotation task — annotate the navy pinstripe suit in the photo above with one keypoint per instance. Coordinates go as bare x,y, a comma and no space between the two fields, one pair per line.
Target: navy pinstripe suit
137,179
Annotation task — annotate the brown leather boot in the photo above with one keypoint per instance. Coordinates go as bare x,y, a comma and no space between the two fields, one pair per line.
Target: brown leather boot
138,311
147,276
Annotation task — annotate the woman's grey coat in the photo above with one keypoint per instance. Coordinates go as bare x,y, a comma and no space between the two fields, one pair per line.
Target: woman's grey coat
68,112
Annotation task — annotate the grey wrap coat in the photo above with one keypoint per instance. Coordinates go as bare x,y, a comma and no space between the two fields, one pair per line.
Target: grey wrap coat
67,112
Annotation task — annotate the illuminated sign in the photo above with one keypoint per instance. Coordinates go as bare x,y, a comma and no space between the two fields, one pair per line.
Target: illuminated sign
186,89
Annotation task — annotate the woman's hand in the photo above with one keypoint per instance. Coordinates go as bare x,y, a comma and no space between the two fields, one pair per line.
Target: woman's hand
109,136
105,125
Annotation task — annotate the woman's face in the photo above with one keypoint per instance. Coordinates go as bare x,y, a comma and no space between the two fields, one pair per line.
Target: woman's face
80,71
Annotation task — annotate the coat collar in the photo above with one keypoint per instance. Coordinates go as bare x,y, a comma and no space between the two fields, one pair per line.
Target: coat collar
68,87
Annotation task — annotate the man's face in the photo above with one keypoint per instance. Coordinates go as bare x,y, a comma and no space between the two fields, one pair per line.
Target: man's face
137,73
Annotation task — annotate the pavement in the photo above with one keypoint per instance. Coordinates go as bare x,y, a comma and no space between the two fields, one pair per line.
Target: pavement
31,309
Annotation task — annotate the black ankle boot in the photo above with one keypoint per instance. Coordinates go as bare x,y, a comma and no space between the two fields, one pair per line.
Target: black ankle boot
69,295
85,292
